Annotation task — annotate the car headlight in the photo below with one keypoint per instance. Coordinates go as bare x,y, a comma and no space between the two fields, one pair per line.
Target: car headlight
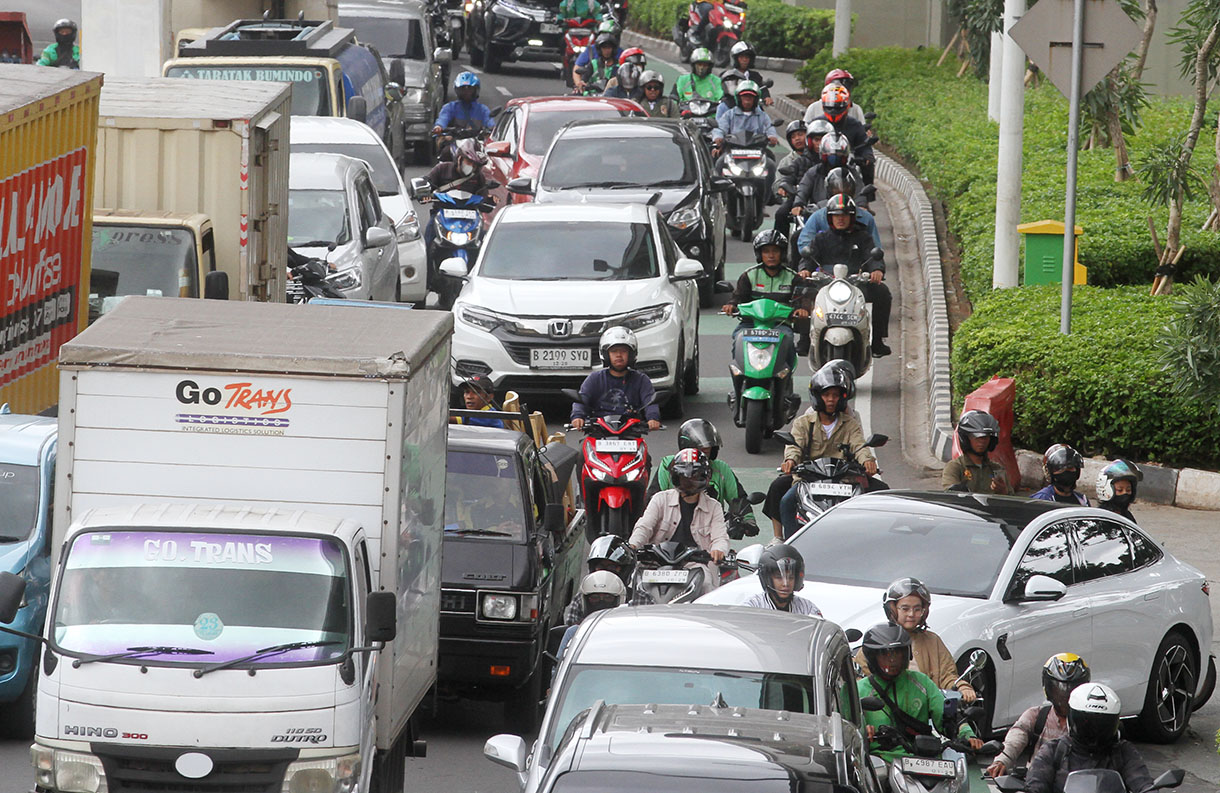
646,318
67,772
346,279
482,319
839,292
760,355
413,96
458,237
499,607
408,229
684,217
325,775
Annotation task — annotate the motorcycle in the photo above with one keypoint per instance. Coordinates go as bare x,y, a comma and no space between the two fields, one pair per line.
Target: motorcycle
841,326
617,10
822,483
762,400
746,160
927,767
701,114
576,39
661,575
616,466
737,513
1094,780
725,23
457,234
456,13
308,277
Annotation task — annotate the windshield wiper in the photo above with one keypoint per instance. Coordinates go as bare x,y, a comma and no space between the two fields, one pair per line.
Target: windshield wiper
7,538
136,652
599,184
273,650
479,532
669,183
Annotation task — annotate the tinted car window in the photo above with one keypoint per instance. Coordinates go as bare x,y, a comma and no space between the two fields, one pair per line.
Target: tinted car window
1144,552
636,161
1047,555
1103,547
573,252
385,177
318,215
541,127
18,501
393,37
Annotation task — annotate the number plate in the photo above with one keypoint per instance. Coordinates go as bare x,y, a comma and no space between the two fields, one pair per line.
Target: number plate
846,319
764,333
664,576
831,489
561,358
616,445
547,27
924,765
463,214
746,154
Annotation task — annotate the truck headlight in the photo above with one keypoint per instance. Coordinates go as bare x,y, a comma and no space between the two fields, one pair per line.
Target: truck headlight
760,355
408,229
67,772
499,607
327,775
346,279
684,218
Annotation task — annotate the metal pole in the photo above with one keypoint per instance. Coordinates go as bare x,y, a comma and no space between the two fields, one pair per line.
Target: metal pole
995,76
1069,198
842,27
1008,164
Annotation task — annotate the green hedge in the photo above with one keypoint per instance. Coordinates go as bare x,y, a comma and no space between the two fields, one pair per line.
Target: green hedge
774,29
938,122
1099,389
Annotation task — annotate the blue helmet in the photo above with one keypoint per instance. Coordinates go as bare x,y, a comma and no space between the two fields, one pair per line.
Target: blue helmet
467,80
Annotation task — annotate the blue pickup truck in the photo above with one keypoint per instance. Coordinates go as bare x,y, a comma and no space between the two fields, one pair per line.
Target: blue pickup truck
27,480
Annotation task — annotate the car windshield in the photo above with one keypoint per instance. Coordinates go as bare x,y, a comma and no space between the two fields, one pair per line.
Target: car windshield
385,176
310,95
483,496
757,778
629,162
233,594
318,215
574,251
640,685
952,554
540,127
141,260
18,501
392,37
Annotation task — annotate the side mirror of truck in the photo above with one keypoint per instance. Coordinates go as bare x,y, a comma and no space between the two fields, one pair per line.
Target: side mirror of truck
381,617
216,285
357,109
786,437
398,72
12,590
553,518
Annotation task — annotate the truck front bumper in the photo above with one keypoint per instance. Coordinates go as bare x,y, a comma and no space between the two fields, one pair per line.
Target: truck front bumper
490,663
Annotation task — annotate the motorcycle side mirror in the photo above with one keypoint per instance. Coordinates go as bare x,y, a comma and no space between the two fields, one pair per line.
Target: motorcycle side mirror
877,440
419,187
492,184
872,139
978,659
872,703
990,749
572,394
721,184
768,83
495,111
869,116
786,437
1171,778
757,497
723,288
454,268
927,745
869,191
1009,783
876,254
853,635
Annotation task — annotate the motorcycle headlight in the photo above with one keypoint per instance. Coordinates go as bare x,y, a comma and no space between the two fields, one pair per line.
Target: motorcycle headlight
839,292
334,774
645,318
413,96
759,169
634,474
408,229
684,218
346,279
499,607
760,355
481,319
733,168
458,237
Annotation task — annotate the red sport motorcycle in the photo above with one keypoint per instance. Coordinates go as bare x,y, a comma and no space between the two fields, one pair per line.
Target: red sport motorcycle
576,39
725,26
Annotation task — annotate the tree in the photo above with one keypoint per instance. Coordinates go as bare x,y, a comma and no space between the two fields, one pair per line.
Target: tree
1190,345
1141,52
1111,111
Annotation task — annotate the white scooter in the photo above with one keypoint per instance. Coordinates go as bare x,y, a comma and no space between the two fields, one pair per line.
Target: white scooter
841,326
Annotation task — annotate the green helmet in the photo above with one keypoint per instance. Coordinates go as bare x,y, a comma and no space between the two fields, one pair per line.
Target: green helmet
701,55
610,26
747,87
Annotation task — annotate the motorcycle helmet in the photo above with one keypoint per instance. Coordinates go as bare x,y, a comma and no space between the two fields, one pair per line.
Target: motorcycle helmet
793,128
605,38
629,76
817,130
700,434
611,553
905,587
1061,674
602,590
690,472
614,337
974,423
841,76
1119,469
841,181
470,151
770,237
840,204
1058,464
64,39
741,48
831,376
746,87
698,58
835,101
883,637
782,561
633,55
649,77
467,80
834,150
611,26
1093,710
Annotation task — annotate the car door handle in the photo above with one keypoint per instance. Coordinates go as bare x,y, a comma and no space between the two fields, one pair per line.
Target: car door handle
1152,595
1080,612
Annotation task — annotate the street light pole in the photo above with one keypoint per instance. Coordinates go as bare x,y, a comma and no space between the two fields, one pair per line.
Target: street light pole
1008,161
842,27
1069,198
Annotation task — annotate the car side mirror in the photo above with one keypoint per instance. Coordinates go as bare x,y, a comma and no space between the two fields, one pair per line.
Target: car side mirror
1042,588
216,285
720,184
877,440
554,518
499,148
12,590
1171,778
872,703
786,437
686,270
442,55
522,185
454,268
357,108
853,635
381,617
419,187
377,237
723,288
747,557
506,750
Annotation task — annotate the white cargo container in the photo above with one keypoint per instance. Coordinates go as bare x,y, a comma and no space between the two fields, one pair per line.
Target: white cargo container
210,146
238,478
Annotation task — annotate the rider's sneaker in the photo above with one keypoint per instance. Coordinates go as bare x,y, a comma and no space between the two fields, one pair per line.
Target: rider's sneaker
880,349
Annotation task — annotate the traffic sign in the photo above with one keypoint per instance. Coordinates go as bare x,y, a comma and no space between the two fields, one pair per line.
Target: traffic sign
1045,33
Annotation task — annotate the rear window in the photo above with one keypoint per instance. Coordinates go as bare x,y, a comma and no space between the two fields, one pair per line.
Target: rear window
541,126
385,176
620,162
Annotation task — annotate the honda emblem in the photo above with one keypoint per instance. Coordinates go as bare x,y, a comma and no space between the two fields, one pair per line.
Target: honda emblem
560,328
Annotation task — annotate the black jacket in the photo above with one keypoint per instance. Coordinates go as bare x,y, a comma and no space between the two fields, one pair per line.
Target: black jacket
853,248
857,137
1056,759
812,189
445,176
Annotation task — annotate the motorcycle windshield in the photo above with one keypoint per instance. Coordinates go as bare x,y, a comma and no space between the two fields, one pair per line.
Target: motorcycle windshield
765,313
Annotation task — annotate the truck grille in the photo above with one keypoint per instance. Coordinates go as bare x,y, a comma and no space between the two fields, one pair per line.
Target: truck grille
151,770
458,601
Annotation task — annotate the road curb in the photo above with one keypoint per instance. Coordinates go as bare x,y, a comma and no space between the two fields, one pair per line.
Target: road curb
789,65
1190,488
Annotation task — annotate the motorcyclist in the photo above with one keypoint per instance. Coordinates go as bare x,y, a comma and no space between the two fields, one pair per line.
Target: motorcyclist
843,78
465,112
598,591
654,101
608,553
840,181
848,242
464,172
579,10
626,81
1061,464
699,82
1092,742
599,60
725,487
907,602
64,52
1041,724
478,393
1116,487
818,434
616,383
742,56
834,152
912,700
747,117
977,434
703,9
835,103
770,278
781,571
687,514
728,99
788,174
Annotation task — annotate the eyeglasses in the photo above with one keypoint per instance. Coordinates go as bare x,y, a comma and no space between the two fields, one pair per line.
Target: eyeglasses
912,609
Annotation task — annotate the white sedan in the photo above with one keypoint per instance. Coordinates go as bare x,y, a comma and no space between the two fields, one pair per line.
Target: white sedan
1021,580
550,279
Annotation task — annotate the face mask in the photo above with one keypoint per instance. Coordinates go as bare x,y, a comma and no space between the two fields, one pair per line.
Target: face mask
65,38
1121,500
466,168
1065,478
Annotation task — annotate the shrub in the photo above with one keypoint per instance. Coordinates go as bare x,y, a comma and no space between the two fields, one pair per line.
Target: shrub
1101,389
774,29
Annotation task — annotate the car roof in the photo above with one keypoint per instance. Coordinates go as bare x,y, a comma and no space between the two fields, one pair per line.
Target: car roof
319,129
1011,512
625,128
23,437
319,171
490,440
552,104
735,638
575,212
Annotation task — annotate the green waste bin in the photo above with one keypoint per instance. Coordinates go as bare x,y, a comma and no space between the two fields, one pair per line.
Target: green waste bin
1044,253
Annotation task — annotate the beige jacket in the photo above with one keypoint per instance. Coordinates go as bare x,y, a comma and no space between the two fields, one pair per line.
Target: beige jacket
811,439
930,656
660,521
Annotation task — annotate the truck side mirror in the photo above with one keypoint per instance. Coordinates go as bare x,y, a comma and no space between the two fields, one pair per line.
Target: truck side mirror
381,617
12,590
216,285
398,71
357,108
553,518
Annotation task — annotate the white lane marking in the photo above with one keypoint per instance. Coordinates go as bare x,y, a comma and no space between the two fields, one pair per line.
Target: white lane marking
504,90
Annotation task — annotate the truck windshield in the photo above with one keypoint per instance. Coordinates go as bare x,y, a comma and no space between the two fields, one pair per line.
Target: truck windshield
226,594
483,496
18,501
310,93
141,260
318,215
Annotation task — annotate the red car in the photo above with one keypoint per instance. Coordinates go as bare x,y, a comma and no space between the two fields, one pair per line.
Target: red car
526,127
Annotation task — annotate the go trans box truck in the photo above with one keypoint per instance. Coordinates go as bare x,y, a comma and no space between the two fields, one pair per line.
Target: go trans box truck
241,492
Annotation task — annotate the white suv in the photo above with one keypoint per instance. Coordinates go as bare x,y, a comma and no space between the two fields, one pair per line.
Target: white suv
551,278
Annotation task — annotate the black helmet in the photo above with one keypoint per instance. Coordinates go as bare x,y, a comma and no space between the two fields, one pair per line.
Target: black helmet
905,587
841,181
882,637
1060,457
64,23
605,37
1093,710
781,560
974,423
690,472
611,552
793,127
699,434
1061,674
831,376
770,237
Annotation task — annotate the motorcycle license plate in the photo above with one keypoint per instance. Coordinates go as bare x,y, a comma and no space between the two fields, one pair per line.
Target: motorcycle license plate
831,489
764,333
746,154
547,27
664,576
561,358
615,445
930,767
461,214
846,319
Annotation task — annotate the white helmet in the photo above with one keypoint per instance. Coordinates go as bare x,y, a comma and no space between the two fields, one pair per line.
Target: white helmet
604,588
614,337
1093,710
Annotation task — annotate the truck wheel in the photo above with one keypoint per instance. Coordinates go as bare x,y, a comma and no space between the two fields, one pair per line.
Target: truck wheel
523,708
18,721
1171,690
754,425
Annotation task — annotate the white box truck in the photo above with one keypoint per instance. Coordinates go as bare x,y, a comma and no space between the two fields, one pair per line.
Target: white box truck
214,147
248,499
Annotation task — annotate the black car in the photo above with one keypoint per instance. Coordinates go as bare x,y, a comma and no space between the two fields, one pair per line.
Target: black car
514,552
513,30
661,161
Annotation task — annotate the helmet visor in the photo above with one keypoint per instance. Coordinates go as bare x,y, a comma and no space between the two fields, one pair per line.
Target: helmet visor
600,600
